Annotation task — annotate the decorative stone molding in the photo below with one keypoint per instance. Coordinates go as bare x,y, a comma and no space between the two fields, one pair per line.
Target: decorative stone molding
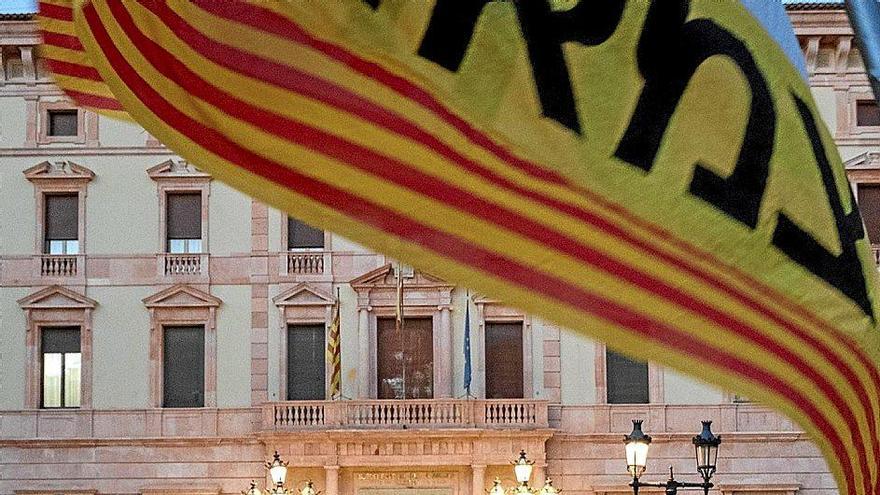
302,304
86,122
56,306
423,296
180,490
492,310
758,489
59,177
656,378
182,305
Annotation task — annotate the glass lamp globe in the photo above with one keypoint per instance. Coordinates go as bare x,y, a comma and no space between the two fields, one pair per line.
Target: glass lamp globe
277,469
522,468
706,451
637,444
497,489
548,488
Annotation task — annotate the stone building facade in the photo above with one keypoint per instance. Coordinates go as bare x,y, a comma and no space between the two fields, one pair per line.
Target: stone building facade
155,322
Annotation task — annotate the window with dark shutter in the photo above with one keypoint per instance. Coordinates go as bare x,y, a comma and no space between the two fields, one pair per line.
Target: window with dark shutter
504,360
867,113
61,367
627,380
302,236
183,222
61,224
869,206
183,360
405,359
305,362
62,123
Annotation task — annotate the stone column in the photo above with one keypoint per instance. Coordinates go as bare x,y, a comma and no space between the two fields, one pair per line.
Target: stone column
478,479
331,480
443,356
363,353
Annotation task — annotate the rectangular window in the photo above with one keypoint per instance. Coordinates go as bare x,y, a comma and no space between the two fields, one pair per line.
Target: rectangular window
305,362
627,380
183,359
302,236
62,123
869,206
61,224
504,360
405,359
867,113
183,220
62,365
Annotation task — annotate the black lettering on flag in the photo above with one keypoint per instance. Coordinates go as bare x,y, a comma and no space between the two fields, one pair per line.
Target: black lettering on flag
589,23
669,53
843,271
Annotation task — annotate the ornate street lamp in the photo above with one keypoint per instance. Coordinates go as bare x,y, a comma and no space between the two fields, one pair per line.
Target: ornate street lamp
522,469
705,449
637,444
278,472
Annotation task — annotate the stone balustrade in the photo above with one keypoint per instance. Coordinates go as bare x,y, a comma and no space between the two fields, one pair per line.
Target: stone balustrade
58,265
428,413
182,264
306,262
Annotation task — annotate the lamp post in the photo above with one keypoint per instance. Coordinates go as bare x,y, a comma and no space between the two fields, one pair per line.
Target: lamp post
278,472
522,470
705,450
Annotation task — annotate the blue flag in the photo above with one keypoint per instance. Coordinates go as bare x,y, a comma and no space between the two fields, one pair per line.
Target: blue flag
467,346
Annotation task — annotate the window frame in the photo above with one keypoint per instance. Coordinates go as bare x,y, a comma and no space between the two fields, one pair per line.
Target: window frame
302,304
56,306
165,325
166,244
655,379
80,228
179,306
493,311
285,237
41,357
86,124
501,321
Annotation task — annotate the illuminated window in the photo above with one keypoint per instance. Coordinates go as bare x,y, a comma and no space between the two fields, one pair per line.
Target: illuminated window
61,366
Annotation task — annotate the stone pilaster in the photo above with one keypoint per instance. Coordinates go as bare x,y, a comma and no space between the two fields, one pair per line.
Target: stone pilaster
259,303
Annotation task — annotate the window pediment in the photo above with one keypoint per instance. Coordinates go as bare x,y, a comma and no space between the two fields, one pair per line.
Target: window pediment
56,297
182,296
59,171
177,170
303,295
868,160
385,276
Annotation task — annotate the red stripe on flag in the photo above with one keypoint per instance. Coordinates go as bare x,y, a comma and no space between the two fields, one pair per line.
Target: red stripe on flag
62,40
94,101
66,68
58,12
445,244
395,171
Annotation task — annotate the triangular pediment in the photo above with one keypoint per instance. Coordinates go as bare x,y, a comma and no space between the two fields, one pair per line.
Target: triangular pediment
56,297
870,159
303,295
176,169
181,296
386,276
58,170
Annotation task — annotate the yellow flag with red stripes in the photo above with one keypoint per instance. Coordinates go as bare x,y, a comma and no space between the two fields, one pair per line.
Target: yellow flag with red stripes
70,65
653,174
334,353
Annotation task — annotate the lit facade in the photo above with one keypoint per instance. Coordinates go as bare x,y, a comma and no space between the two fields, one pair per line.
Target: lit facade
155,322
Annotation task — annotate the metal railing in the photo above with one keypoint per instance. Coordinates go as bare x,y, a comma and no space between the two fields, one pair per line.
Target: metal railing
435,413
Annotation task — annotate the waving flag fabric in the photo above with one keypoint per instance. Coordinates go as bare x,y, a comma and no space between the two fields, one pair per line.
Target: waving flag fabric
70,65
654,175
